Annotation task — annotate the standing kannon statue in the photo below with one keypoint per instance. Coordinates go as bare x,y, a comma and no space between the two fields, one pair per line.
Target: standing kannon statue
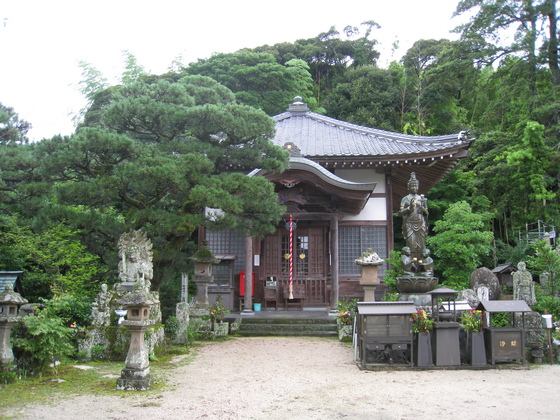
414,210
416,263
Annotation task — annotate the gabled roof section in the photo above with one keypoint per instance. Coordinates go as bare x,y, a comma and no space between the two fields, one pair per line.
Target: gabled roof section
303,164
341,194
318,136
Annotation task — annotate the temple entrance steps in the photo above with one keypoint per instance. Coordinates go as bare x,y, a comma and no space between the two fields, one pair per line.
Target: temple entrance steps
286,324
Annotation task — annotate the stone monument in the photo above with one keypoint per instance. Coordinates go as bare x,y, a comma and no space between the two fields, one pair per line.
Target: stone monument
485,284
416,263
523,285
369,262
135,274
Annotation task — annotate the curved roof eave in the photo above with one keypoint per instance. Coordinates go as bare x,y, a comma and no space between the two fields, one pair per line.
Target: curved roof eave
304,164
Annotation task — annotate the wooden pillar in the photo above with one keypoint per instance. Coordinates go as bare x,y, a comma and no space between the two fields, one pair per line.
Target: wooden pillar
389,204
248,300
334,262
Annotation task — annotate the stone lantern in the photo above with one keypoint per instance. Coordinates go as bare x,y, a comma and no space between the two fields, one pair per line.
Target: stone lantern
369,261
9,306
203,261
136,374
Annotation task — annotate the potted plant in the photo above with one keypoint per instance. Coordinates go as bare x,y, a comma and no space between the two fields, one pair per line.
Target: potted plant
422,324
473,322
345,318
217,314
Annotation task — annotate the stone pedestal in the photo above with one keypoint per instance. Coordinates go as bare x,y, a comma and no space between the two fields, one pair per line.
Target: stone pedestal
419,299
476,350
416,284
6,353
369,282
221,329
136,375
202,283
423,350
445,337
369,262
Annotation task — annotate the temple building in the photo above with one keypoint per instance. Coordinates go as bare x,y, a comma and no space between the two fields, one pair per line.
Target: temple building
341,187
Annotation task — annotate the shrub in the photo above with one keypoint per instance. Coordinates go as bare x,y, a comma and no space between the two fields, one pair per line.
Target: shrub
172,327
42,341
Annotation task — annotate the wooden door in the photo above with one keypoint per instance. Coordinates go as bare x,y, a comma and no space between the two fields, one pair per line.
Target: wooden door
310,260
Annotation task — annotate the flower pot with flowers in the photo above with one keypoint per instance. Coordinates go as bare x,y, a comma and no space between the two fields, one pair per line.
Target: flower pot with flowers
347,310
422,324
217,314
473,323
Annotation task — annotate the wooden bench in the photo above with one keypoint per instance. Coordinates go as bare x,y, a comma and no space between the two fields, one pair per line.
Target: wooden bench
298,296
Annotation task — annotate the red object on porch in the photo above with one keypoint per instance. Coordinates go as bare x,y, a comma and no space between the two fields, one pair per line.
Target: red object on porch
242,284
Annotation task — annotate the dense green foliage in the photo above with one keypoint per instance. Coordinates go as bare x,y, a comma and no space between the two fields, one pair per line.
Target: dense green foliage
460,244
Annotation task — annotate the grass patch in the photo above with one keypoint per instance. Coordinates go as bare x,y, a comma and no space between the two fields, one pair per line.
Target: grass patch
101,379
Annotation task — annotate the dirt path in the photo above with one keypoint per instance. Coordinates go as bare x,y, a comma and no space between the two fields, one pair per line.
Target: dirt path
311,378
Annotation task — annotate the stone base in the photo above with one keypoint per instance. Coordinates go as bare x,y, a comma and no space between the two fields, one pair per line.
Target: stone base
419,299
221,329
134,380
345,333
417,284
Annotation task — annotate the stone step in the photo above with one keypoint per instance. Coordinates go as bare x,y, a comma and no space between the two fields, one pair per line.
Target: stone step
287,327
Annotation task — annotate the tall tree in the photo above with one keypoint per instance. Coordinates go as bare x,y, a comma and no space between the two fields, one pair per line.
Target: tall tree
534,23
258,80
367,96
12,128
161,154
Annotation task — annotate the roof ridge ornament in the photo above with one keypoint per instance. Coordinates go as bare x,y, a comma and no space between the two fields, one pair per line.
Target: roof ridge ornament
292,148
298,106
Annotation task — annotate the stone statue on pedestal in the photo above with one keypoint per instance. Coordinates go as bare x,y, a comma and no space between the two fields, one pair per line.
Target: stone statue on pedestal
416,263
523,285
414,210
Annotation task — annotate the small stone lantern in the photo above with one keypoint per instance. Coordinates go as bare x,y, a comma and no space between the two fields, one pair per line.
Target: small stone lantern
203,261
369,261
9,306
136,375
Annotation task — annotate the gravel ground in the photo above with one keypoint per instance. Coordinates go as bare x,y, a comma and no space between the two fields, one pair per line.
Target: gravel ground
314,378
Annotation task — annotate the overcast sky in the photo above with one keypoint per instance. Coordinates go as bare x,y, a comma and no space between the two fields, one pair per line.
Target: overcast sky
42,41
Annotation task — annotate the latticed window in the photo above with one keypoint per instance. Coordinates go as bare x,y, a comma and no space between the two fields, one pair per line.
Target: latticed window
228,242
353,240
301,255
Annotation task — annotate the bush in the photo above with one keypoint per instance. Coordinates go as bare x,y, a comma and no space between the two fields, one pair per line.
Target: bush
394,271
71,309
41,341
172,327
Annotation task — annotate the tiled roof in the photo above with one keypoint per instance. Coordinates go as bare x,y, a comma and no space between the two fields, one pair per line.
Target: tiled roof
320,136
12,278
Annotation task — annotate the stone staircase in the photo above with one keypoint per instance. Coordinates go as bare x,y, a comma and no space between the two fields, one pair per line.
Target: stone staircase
286,326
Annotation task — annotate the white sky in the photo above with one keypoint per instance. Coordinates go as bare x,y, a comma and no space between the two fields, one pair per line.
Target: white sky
42,40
